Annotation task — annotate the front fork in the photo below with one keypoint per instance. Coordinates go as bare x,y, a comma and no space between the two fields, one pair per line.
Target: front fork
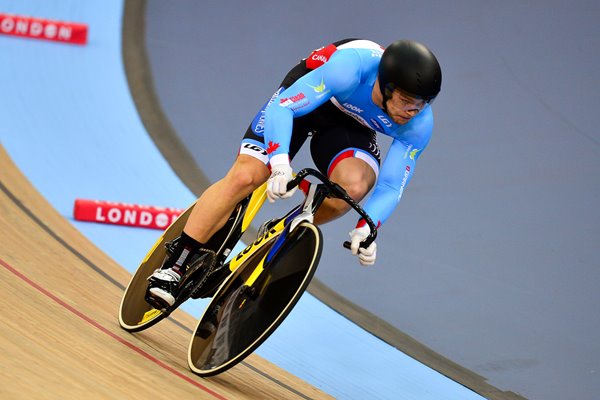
312,202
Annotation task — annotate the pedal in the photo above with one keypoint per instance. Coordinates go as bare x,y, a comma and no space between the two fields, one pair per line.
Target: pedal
206,329
209,326
170,246
156,303
250,292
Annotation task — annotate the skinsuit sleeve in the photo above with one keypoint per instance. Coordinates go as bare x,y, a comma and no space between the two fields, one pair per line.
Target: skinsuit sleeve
340,75
399,167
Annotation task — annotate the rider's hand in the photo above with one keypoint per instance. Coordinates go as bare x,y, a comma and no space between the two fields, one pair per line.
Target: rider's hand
366,256
281,174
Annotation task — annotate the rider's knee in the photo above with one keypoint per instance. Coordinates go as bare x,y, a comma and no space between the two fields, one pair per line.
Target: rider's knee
357,189
355,176
356,183
247,176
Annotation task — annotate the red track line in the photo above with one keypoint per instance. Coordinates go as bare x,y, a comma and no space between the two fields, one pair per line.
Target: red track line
106,331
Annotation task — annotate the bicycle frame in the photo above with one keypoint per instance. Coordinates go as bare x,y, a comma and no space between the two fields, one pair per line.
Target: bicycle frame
303,212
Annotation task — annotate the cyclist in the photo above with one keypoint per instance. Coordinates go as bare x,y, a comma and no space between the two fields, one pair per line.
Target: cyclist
341,95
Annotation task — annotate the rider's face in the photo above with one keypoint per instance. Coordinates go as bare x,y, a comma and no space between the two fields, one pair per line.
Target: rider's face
402,107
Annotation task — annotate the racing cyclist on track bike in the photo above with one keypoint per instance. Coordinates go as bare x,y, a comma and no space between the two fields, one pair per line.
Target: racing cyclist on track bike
341,95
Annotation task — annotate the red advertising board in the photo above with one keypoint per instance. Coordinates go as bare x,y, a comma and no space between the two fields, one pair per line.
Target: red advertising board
39,28
109,212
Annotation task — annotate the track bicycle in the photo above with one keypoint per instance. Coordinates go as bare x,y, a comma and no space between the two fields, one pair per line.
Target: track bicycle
254,291
267,279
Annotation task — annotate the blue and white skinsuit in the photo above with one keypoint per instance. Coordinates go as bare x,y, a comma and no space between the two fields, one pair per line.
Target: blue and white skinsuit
344,74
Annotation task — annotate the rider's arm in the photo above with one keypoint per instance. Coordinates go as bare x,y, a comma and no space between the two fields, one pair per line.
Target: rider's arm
339,76
398,168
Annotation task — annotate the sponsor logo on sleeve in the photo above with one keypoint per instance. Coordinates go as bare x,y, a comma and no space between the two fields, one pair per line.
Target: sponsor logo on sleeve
294,102
404,179
321,89
259,128
413,153
286,101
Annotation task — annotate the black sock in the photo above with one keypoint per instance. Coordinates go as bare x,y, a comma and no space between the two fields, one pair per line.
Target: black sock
185,248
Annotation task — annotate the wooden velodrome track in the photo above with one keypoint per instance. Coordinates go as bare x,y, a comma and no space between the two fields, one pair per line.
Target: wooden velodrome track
59,333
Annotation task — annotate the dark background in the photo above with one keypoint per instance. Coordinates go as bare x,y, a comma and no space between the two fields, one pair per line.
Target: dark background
491,258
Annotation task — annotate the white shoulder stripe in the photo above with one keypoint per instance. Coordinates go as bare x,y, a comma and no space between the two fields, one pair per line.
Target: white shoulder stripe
360,44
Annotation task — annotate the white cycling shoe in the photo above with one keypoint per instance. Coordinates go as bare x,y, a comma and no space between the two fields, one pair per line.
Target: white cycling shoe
164,284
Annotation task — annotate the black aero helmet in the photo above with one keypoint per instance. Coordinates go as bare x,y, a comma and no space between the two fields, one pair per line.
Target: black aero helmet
410,67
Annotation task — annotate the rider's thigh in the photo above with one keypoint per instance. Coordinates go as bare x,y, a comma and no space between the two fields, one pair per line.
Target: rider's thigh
356,176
